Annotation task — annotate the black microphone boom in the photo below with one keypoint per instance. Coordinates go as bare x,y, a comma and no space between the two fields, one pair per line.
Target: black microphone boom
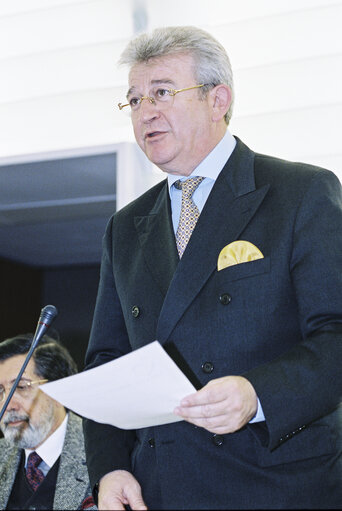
47,315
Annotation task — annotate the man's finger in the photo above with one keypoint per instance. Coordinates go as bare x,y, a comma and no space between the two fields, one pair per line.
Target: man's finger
208,395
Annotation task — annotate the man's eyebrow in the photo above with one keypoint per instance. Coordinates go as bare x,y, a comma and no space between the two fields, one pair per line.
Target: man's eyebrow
165,81
12,381
21,379
130,91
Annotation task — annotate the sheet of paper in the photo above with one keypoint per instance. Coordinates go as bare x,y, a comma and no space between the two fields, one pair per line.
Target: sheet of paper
137,390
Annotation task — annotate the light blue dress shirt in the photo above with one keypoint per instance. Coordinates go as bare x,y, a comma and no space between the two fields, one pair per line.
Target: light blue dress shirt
209,168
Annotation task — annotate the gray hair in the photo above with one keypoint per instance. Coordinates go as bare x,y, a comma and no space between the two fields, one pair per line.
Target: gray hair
211,62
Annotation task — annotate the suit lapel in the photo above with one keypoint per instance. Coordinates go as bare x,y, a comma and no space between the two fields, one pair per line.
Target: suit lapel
9,462
157,240
72,479
229,208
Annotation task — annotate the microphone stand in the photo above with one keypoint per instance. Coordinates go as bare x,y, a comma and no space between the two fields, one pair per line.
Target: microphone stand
47,315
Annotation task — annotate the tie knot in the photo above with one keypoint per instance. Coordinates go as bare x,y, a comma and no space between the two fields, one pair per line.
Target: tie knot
188,186
34,460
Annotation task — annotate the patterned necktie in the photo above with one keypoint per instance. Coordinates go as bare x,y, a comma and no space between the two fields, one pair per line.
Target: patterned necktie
189,212
34,476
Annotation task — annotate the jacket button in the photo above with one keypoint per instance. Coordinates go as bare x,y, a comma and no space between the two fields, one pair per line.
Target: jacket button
135,311
218,440
225,298
207,367
152,442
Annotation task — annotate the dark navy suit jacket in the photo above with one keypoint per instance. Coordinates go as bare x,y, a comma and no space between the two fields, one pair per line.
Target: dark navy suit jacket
281,327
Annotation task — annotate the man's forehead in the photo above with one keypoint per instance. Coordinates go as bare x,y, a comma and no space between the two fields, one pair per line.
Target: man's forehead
161,69
10,368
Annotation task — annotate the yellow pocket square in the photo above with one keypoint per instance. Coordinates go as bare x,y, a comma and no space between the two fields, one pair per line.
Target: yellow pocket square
236,253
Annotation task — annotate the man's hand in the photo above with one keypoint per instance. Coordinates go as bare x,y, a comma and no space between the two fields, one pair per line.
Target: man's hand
223,406
119,489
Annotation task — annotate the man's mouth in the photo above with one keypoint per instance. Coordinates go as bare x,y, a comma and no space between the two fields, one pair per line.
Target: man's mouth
154,134
13,422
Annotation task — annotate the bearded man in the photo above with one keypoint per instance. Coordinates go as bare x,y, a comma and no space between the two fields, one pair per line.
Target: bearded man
42,459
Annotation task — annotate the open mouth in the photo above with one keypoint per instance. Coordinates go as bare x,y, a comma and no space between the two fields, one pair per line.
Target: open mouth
154,134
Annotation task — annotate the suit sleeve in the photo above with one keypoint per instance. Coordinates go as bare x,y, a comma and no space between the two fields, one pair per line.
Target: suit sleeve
107,448
305,383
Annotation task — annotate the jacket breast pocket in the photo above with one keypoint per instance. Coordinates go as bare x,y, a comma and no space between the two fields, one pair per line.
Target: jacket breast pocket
245,270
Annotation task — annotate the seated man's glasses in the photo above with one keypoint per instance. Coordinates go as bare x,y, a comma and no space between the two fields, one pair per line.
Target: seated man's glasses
24,388
159,95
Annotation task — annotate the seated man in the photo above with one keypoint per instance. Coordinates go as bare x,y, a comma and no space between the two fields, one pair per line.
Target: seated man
42,460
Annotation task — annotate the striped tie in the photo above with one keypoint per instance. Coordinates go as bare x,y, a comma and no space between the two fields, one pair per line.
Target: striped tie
189,212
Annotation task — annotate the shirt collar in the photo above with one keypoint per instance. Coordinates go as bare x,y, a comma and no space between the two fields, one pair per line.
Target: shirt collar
213,163
51,449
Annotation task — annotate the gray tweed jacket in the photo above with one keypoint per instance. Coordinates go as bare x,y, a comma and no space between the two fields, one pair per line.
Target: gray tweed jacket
72,486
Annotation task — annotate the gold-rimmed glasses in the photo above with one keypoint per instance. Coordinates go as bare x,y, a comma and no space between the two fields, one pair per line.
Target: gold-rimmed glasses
158,95
24,388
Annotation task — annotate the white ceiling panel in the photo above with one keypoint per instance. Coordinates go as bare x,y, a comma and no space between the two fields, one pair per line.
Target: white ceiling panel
76,119
63,26
15,7
311,82
81,68
228,12
294,134
60,85
276,39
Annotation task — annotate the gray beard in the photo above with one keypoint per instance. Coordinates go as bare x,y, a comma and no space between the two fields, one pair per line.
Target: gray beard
27,435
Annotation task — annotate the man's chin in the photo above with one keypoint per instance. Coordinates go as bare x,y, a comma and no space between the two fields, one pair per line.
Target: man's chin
160,155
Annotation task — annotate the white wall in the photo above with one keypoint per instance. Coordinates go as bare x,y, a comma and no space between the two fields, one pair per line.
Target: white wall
59,82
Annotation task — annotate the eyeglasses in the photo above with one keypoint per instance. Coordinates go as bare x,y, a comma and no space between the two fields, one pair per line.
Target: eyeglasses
24,388
158,95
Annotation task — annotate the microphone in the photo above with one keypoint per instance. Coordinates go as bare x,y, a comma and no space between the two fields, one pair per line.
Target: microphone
47,315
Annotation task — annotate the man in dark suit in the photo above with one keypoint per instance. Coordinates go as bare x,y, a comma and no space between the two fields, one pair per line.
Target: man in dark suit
237,273
42,458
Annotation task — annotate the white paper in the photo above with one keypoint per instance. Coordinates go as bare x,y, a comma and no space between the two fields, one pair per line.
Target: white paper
137,390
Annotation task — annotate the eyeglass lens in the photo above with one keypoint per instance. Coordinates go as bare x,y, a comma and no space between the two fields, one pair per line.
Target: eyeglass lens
24,389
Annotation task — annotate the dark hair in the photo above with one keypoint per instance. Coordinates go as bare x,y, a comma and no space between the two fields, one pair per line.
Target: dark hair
52,360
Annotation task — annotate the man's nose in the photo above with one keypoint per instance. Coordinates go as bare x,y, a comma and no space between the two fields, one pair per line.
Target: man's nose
14,402
148,110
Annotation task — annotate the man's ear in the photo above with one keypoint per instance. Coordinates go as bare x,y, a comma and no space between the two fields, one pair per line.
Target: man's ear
221,101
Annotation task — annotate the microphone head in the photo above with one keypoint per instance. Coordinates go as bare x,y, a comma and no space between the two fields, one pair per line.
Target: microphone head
48,314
